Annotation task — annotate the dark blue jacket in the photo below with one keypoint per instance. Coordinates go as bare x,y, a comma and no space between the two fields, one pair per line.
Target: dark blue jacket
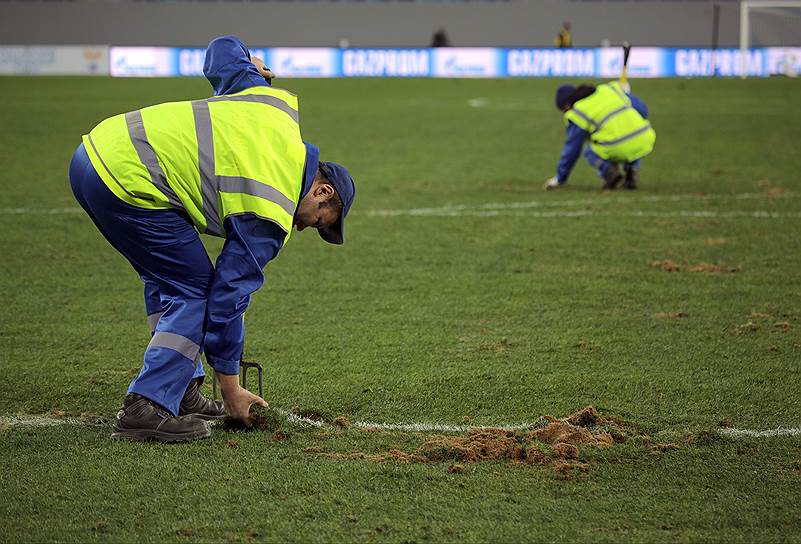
575,141
250,242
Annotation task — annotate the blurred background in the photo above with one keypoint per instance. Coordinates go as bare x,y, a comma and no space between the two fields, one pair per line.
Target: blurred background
30,29
385,23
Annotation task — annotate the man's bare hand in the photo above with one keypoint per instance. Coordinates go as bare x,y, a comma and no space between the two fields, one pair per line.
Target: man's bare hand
238,400
262,68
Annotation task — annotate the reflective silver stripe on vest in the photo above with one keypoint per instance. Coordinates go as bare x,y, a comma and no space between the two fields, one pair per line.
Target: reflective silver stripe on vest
153,320
136,130
261,99
233,184
583,116
110,173
609,116
620,93
628,136
205,160
210,182
175,342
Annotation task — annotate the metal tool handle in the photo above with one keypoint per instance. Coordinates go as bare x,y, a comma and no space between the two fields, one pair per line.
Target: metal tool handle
243,378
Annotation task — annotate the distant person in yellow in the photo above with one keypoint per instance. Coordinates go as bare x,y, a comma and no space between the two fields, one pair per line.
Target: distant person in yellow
615,126
563,40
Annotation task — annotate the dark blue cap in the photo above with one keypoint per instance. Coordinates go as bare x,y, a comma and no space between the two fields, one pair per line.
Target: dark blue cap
563,94
340,178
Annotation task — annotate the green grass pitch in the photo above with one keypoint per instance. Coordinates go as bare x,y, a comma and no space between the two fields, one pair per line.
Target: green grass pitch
463,293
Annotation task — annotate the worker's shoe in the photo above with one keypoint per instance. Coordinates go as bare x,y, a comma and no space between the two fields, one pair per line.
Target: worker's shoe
551,184
197,404
612,177
141,419
632,179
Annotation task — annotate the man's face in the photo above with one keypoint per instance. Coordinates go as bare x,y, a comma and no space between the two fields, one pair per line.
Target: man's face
310,213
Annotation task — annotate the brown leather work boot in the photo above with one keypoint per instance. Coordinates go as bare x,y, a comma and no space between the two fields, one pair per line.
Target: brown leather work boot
196,404
632,179
612,177
141,419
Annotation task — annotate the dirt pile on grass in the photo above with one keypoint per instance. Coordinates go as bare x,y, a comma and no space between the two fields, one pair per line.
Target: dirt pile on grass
261,419
557,442
671,266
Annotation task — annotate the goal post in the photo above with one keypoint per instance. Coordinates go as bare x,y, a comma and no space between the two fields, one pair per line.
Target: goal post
788,11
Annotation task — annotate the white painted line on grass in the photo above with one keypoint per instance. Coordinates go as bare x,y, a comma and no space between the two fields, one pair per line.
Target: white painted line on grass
297,420
37,421
463,209
759,214
40,211
748,433
300,421
439,427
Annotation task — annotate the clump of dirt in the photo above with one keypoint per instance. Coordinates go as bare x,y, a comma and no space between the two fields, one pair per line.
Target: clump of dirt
566,468
667,265
456,468
308,413
745,328
232,443
586,417
342,422
783,326
671,266
661,448
563,450
557,442
478,445
671,315
773,191
260,420
279,436
712,267
371,430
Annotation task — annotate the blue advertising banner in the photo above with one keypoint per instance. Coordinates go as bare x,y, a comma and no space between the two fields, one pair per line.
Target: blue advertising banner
386,62
472,62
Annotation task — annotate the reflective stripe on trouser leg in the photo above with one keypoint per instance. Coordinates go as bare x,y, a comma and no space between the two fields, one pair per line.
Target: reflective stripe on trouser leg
595,161
153,321
171,358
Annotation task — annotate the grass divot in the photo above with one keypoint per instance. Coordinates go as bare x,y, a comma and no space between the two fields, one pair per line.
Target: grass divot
553,441
668,265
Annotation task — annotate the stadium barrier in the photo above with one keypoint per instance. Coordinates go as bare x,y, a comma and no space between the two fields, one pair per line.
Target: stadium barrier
54,60
603,62
451,62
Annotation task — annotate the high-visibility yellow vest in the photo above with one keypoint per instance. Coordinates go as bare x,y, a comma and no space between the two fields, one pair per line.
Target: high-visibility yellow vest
212,158
617,131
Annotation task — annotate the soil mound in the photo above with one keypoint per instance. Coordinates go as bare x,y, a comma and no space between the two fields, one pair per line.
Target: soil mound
260,420
557,442
667,265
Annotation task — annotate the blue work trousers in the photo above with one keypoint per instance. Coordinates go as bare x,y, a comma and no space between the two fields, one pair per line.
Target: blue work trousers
601,165
165,250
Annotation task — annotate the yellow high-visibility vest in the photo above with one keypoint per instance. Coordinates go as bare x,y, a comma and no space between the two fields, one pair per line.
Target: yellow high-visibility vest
617,131
212,158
